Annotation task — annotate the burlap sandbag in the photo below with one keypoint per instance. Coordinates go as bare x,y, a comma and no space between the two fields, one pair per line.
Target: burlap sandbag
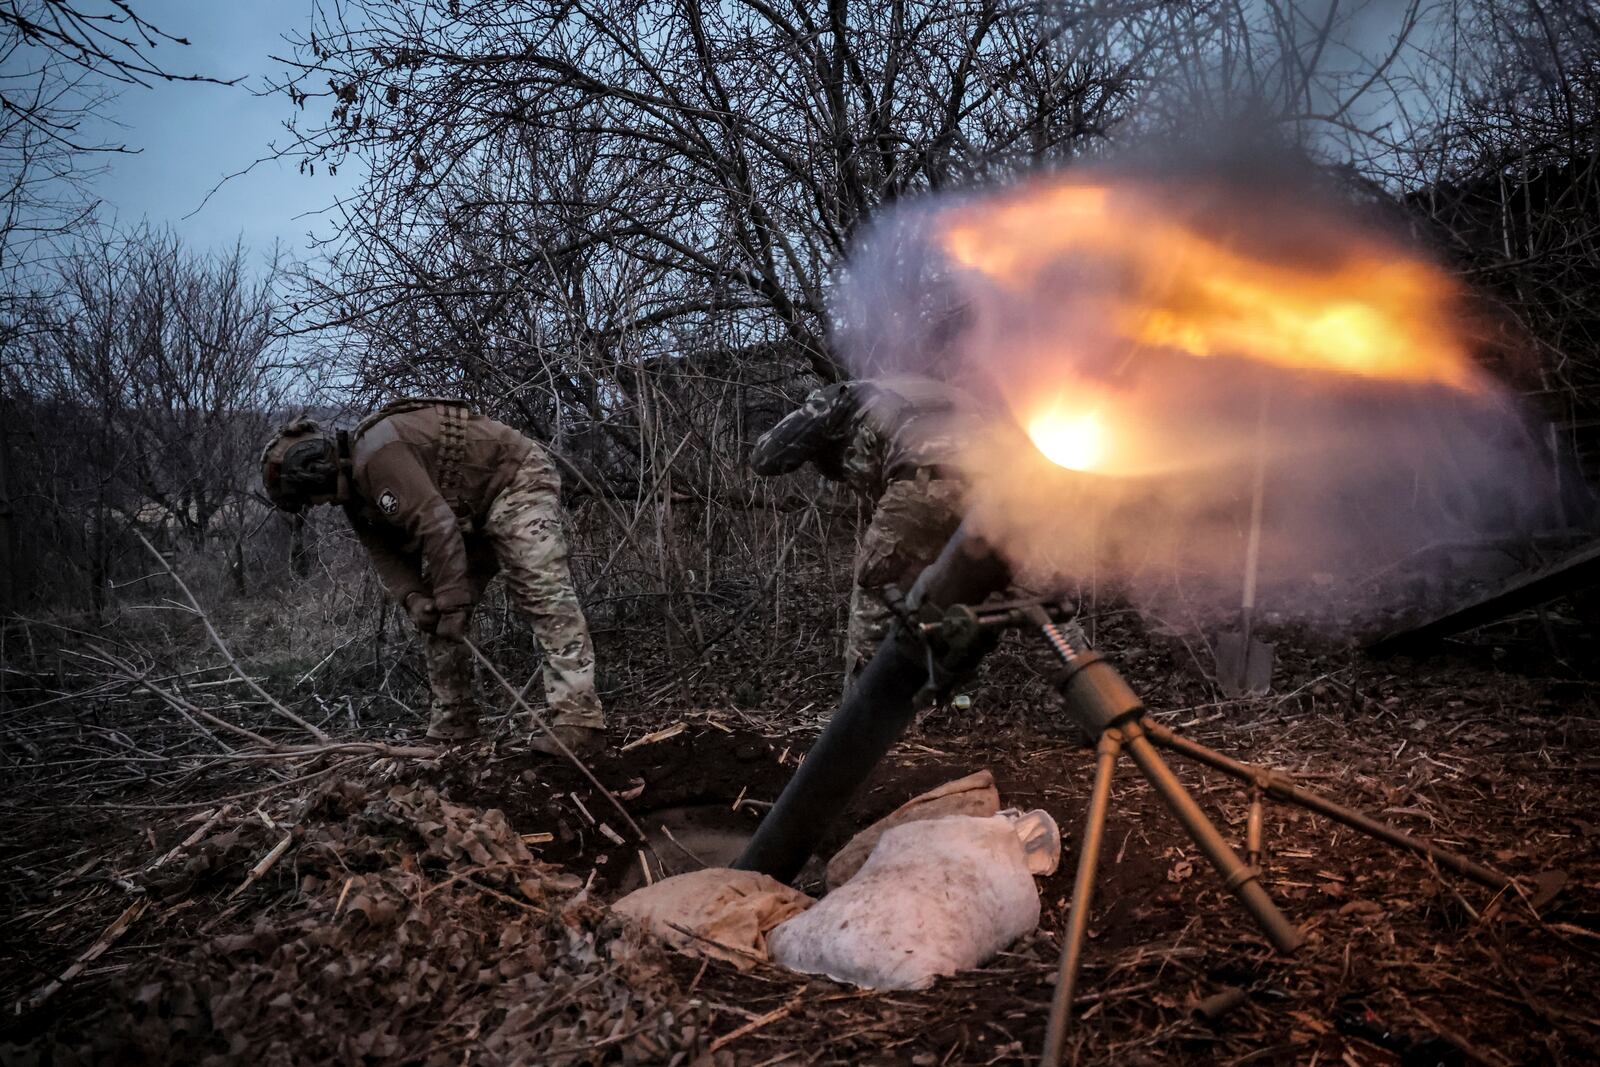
715,912
973,795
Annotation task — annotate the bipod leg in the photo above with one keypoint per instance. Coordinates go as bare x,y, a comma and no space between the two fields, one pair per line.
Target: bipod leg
1279,787
1094,827
1236,876
1253,827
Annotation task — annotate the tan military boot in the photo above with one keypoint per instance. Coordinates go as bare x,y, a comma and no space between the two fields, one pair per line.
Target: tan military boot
582,741
454,724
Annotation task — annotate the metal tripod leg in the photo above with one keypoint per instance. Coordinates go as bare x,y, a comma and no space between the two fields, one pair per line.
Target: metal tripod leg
1253,828
1235,875
1279,787
1094,827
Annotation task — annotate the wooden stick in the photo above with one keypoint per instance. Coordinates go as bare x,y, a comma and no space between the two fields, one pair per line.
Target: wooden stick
109,937
193,839
753,1025
183,707
177,703
644,864
269,861
345,892
660,735
339,748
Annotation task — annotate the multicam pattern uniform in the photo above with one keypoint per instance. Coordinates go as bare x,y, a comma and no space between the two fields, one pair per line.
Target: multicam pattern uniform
911,523
444,498
525,543
892,440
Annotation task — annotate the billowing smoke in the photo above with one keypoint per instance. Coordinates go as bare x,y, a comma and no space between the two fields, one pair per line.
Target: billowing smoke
1144,348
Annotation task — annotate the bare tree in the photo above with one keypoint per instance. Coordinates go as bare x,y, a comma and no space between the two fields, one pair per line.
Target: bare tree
140,396
59,62
712,161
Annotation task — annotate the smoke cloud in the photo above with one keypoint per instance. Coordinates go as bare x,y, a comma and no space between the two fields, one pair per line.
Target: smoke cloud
1144,346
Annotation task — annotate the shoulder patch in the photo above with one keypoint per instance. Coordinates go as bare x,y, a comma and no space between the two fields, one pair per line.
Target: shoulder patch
388,503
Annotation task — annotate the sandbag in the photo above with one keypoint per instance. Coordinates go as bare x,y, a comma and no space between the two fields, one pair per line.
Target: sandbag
1040,837
935,897
973,795
715,912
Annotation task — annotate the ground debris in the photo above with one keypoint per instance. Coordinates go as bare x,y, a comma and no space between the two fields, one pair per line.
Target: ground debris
417,926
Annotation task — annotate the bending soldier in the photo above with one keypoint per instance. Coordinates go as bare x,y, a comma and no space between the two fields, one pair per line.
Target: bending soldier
442,498
890,439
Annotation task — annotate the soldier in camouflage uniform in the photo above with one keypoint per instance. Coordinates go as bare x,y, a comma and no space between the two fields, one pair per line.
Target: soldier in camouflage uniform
443,498
892,440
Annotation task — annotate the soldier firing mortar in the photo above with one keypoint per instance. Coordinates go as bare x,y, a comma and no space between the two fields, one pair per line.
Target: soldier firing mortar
443,498
890,439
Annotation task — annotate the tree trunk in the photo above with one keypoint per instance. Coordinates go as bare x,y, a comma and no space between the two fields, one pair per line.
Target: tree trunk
10,593
236,566
98,554
299,558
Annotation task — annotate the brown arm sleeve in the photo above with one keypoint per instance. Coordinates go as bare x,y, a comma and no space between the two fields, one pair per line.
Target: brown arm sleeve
402,491
398,571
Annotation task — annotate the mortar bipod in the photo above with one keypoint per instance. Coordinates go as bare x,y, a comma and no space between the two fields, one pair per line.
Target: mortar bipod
1113,718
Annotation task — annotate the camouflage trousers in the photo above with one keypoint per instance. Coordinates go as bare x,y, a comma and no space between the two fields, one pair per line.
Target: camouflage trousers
522,539
911,523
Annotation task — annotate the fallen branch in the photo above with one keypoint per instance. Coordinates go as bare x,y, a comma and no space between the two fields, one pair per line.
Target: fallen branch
266,863
141,680
184,806
753,1025
660,735
184,707
354,748
222,646
193,839
109,937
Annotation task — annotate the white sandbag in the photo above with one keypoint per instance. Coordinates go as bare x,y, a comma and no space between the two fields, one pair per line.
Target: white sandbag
973,795
715,912
935,897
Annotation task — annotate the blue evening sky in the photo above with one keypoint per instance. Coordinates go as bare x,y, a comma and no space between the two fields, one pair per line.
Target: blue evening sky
190,135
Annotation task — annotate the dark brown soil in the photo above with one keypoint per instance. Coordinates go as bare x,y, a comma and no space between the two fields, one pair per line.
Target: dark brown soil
1489,754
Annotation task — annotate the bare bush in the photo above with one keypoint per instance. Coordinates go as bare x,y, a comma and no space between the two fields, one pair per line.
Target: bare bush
144,383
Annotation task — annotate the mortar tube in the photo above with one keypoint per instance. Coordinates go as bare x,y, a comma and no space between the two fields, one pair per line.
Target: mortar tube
874,713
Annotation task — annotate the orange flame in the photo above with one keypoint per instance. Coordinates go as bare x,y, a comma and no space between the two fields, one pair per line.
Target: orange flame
1150,277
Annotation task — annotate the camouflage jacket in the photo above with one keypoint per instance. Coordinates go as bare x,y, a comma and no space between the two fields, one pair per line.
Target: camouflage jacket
866,433
422,473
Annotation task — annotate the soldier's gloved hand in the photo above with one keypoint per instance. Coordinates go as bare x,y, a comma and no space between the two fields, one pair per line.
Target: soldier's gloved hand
424,615
452,625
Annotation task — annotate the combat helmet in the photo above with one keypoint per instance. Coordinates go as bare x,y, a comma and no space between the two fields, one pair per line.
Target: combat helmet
303,461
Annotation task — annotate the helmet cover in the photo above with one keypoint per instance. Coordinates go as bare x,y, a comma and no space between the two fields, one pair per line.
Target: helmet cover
299,462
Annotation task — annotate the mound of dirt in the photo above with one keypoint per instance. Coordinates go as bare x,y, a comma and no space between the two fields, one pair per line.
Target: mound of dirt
418,927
